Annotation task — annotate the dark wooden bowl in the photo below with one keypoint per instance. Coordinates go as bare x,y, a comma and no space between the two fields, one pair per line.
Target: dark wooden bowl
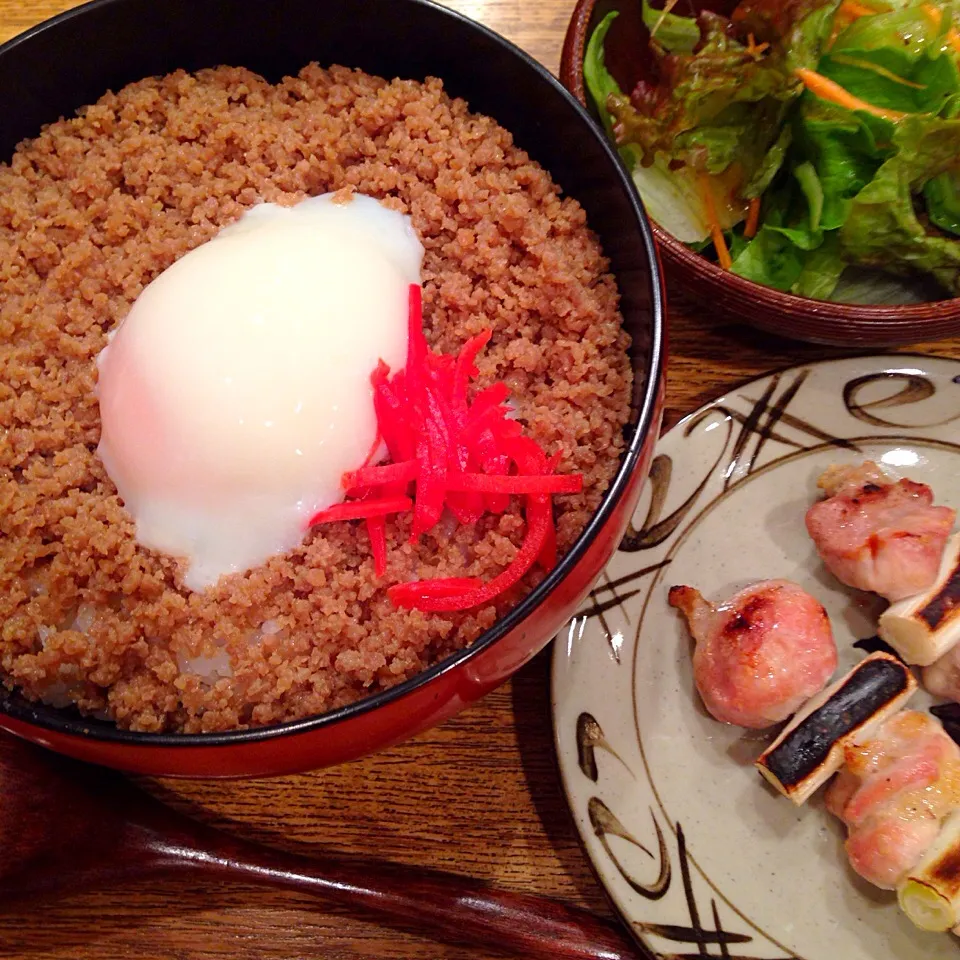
719,290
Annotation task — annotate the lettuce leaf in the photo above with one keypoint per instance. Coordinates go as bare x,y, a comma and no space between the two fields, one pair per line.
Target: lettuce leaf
732,137
883,229
770,259
600,83
909,31
805,41
846,149
794,208
806,175
674,200
674,33
942,197
775,20
775,259
798,29
894,79
770,165
719,101
710,107
848,198
821,271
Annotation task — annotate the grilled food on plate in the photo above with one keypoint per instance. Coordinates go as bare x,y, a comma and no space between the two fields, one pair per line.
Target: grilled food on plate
761,653
768,652
877,535
810,750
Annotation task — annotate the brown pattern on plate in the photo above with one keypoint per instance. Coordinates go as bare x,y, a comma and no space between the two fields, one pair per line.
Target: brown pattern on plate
726,502
606,824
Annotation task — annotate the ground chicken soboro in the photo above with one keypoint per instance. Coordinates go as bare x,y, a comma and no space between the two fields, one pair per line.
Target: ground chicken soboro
93,210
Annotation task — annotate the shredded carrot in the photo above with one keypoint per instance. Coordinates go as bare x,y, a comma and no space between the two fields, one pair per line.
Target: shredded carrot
827,89
720,242
847,12
716,234
936,16
934,13
754,49
753,219
853,9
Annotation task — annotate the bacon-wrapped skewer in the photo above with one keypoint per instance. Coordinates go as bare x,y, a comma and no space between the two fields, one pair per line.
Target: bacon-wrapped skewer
877,535
760,654
894,792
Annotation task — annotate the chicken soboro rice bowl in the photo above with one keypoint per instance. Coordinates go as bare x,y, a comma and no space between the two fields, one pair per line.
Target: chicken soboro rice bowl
99,206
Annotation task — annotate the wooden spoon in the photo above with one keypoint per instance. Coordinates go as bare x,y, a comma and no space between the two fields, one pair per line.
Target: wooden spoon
65,825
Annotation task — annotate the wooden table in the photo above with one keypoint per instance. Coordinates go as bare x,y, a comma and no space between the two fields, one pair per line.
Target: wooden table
479,795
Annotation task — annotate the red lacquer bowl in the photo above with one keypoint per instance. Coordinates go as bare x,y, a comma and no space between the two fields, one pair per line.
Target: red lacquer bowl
71,60
718,290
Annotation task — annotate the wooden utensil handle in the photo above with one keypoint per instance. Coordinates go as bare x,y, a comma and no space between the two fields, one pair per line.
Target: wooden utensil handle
109,833
455,907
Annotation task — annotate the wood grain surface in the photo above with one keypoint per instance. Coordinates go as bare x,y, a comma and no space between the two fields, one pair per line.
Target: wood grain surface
479,795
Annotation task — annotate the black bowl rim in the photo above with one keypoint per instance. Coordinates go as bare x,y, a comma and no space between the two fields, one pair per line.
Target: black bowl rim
80,727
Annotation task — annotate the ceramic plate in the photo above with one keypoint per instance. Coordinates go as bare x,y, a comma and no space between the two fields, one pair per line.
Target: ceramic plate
699,855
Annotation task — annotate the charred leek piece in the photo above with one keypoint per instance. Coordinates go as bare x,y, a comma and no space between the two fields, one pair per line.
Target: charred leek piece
810,749
923,628
930,894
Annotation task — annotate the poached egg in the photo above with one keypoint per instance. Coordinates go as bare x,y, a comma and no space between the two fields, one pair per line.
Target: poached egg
236,392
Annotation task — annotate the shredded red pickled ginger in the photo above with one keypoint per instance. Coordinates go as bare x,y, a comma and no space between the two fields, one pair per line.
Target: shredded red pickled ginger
461,454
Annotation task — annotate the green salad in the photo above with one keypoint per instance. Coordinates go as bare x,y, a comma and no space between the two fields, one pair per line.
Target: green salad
809,145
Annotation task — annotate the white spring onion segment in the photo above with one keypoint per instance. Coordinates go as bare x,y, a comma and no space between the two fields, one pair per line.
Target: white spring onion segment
925,627
930,893
810,749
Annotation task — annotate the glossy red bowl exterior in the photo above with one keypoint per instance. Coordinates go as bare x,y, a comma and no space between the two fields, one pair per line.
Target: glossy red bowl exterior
718,290
71,60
